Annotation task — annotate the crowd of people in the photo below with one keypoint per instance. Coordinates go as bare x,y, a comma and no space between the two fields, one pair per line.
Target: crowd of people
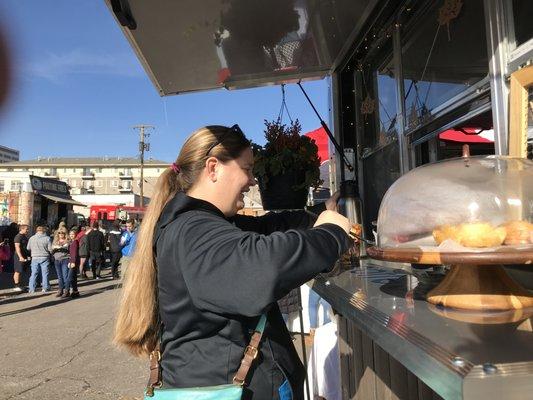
73,252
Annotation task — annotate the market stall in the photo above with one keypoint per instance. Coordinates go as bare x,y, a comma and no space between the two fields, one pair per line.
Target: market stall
402,76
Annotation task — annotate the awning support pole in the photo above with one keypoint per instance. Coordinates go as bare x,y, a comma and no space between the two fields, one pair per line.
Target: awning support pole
344,159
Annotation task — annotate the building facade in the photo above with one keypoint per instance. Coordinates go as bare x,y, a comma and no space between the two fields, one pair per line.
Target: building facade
98,181
8,155
91,181
94,176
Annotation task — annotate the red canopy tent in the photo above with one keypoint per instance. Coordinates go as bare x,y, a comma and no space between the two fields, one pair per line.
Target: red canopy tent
322,141
468,135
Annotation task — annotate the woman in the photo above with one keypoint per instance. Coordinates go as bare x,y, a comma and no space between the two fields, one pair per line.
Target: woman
81,237
5,253
208,274
73,263
60,252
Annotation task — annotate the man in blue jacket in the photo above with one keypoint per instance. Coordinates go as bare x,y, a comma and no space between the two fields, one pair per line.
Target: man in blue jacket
127,241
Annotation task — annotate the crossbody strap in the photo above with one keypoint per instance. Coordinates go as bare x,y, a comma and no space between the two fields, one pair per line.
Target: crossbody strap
250,354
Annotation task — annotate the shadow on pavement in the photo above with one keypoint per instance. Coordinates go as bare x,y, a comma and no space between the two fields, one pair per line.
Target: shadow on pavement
55,301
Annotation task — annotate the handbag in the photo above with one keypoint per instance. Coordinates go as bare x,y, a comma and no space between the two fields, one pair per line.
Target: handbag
231,391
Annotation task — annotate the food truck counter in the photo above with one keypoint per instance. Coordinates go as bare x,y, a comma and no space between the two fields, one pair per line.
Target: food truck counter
395,345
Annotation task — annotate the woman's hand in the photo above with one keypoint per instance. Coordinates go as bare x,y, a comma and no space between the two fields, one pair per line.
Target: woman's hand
333,217
331,203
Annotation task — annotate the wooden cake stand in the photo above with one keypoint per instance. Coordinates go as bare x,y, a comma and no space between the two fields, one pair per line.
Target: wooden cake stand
476,280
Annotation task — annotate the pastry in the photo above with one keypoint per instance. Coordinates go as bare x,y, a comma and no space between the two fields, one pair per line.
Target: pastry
481,235
518,232
445,232
475,234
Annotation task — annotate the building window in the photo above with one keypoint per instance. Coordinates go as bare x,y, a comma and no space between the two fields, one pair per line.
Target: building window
114,183
1,186
99,170
16,186
98,183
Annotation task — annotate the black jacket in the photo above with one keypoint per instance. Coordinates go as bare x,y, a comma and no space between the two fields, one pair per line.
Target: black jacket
95,241
113,238
217,276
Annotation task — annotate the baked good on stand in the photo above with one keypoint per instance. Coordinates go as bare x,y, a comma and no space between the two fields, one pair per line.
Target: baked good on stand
474,234
518,232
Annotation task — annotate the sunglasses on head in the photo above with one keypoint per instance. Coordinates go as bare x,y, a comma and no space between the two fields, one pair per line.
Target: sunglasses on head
234,129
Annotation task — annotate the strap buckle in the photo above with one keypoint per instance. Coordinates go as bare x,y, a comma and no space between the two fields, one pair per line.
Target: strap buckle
252,349
155,352
238,382
151,387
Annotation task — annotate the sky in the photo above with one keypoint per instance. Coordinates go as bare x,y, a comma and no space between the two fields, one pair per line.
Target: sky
78,89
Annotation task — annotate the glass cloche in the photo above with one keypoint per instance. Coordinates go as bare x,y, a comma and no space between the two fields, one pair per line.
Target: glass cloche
475,203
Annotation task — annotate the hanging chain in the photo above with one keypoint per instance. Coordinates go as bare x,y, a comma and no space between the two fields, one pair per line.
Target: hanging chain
284,107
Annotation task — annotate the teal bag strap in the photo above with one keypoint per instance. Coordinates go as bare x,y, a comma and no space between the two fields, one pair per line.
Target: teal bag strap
250,354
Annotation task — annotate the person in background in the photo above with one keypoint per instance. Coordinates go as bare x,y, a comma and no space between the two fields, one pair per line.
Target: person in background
83,252
323,369
113,240
9,234
315,301
127,241
22,256
5,254
73,264
96,247
40,248
60,251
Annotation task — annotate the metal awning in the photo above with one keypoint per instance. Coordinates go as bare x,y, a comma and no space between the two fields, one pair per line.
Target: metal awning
191,45
64,200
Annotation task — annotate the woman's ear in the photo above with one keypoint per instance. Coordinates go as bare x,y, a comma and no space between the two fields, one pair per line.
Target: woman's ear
211,165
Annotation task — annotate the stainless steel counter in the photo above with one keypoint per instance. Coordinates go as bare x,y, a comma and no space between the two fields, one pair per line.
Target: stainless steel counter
456,359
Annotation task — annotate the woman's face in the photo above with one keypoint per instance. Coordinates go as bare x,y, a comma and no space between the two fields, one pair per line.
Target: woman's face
72,235
236,178
62,236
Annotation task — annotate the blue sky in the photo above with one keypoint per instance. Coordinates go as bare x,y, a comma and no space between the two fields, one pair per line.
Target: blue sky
78,89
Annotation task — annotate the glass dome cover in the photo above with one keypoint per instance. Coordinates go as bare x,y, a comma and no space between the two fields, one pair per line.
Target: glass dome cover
475,203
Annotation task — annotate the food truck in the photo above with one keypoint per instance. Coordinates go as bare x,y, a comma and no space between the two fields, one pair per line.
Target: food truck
108,213
401,74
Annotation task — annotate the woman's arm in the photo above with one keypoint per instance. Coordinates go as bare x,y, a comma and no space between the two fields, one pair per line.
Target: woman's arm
231,271
282,221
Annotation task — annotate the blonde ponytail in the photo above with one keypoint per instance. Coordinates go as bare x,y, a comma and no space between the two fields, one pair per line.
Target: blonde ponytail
136,323
136,326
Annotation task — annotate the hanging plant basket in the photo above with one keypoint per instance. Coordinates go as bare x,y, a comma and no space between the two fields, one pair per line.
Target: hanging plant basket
286,166
278,193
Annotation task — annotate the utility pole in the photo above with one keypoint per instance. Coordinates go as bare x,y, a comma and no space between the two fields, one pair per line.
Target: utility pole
143,146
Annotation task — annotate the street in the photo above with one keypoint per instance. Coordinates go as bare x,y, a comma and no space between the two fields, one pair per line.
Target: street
55,348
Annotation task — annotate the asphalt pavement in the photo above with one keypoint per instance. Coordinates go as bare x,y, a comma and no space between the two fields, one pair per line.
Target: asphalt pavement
55,348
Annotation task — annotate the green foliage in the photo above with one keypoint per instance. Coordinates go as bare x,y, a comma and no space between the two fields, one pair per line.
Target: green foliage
286,149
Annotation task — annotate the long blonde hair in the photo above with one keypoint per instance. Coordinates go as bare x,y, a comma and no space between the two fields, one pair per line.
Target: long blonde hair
136,326
55,241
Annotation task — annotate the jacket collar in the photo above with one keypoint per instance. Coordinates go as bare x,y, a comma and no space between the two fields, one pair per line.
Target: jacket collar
182,203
